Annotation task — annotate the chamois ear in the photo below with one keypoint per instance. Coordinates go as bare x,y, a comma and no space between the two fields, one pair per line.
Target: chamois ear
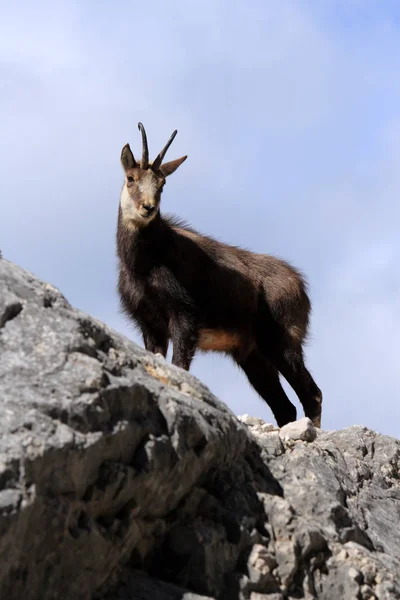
169,167
127,158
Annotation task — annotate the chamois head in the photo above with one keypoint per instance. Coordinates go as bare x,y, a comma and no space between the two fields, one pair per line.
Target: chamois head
144,182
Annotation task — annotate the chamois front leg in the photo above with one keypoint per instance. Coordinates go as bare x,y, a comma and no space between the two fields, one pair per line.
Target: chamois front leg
155,340
184,335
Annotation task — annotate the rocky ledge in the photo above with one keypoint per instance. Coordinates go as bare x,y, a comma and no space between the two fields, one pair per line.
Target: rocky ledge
122,477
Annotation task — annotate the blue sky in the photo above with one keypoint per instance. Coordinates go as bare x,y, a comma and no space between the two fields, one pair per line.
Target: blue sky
290,114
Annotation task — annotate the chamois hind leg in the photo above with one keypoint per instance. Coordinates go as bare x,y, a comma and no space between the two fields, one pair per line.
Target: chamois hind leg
290,362
264,378
287,356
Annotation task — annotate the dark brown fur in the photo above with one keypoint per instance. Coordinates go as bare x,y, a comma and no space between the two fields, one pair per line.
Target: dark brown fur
197,292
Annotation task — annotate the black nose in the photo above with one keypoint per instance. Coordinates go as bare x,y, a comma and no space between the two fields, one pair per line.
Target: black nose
149,209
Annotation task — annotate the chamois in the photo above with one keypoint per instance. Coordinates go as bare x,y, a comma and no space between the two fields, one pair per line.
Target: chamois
200,293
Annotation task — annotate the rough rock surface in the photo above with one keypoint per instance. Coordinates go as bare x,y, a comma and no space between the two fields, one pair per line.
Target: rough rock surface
123,478
303,429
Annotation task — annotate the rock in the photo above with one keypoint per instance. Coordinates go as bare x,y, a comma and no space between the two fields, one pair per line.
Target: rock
287,559
251,421
257,596
257,425
136,585
122,477
303,429
366,593
271,443
260,566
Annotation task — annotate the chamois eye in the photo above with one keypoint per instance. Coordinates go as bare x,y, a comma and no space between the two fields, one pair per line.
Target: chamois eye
130,179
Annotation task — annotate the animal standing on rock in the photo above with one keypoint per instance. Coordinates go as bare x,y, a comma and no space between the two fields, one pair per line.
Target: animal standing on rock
202,294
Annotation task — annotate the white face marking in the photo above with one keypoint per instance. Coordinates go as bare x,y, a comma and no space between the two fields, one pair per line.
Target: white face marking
133,219
148,188
127,206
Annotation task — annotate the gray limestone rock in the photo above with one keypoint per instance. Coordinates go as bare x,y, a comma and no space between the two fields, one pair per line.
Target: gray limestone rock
303,429
122,477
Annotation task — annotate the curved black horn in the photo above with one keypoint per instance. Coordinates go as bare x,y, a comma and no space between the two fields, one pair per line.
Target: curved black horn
157,163
145,153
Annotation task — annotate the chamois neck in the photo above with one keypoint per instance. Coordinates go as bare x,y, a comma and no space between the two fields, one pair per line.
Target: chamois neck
137,231
152,229
135,243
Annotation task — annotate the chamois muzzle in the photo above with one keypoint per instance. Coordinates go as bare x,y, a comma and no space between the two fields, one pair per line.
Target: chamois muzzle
149,209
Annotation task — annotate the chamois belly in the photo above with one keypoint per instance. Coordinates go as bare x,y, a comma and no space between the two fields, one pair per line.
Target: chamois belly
219,340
